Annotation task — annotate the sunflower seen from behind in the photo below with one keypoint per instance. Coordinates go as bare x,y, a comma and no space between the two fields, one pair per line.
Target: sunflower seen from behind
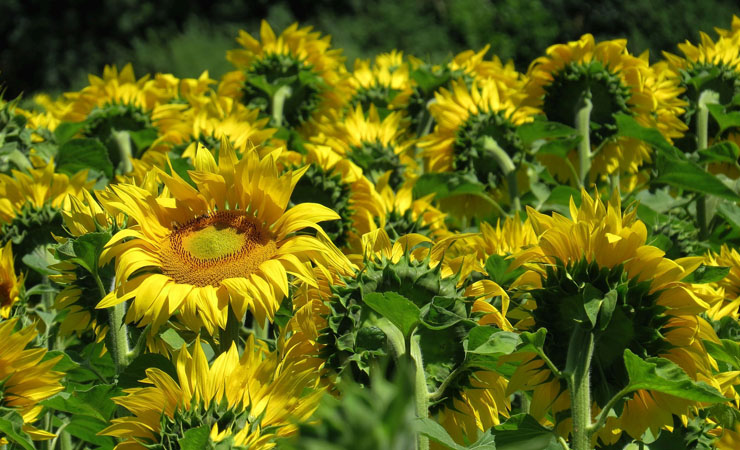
228,243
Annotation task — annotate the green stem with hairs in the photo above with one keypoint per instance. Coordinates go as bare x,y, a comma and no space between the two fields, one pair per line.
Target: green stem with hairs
421,395
601,418
507,167
450,378
702,142
577,373
583,126
278,103
117,337
123,141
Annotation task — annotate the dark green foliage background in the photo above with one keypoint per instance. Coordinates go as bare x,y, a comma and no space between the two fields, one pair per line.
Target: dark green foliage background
51,46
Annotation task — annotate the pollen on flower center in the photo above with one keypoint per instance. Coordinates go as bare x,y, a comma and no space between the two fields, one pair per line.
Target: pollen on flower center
214,247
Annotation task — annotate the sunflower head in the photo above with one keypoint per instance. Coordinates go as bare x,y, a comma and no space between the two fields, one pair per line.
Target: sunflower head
379,83
10,284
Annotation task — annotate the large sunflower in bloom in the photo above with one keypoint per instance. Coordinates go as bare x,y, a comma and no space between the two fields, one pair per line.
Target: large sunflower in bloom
299,61
25,379
247,401
617,82
601,250
228,243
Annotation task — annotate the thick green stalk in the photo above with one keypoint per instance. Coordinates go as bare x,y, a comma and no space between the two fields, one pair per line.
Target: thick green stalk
278,103
117,337
583,126
123,140
421,395
580,353
507,167
702,142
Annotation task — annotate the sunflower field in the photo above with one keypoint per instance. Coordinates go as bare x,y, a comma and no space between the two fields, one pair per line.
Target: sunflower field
401,255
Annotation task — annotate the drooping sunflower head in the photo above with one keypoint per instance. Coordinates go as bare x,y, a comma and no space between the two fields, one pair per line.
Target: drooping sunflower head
615,82
464,116
338,184
379,83
600,252
299,63
376,146
10,284
25,379
413,269
243,401
406,215
226,243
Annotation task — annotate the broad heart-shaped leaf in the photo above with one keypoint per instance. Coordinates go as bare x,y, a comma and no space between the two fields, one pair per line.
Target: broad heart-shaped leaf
10,428
438,434
724,119
67,130
88,248
542,129
726,151
627,126
81,154
399,310
94,402
707,274
487,340
662,375
684,174
86,429
523,432
497,268
195,438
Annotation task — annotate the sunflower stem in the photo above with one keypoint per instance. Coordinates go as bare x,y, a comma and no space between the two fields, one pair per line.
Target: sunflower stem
450,378
583,126
421,394
278,103
507,167
117,336
580,352
702,142
604,413
123,141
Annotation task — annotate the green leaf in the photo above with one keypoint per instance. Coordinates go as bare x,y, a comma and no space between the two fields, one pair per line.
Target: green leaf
662,375
195,438
726,351
438,434
446,184
726,151
522,432
172,338
706,274
65,364
136,371
724,119
497,267
560,147
86,429
730,212
541,129
402,312
39,260
94,402
627,126
88,248
486,340
533,342
11,425
687,175
81,154
67,130
143,139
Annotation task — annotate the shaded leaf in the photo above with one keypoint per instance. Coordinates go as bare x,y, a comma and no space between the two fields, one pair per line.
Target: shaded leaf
81,154
522,432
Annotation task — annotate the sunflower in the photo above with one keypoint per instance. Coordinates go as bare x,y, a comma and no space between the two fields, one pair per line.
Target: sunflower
379,83
338,184
299,64
25,378
406,215
601,250
208,122
415,267
10,284
229,242
248,401
729,286
375,146
617,83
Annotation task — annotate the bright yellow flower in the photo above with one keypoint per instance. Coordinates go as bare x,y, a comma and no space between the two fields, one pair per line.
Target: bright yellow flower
251,400
10,284
406,215
297,52
227,243
380,82
619,83
656,314
25,380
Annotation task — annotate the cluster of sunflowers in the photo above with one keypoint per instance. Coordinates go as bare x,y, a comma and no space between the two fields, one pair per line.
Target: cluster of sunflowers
543,259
